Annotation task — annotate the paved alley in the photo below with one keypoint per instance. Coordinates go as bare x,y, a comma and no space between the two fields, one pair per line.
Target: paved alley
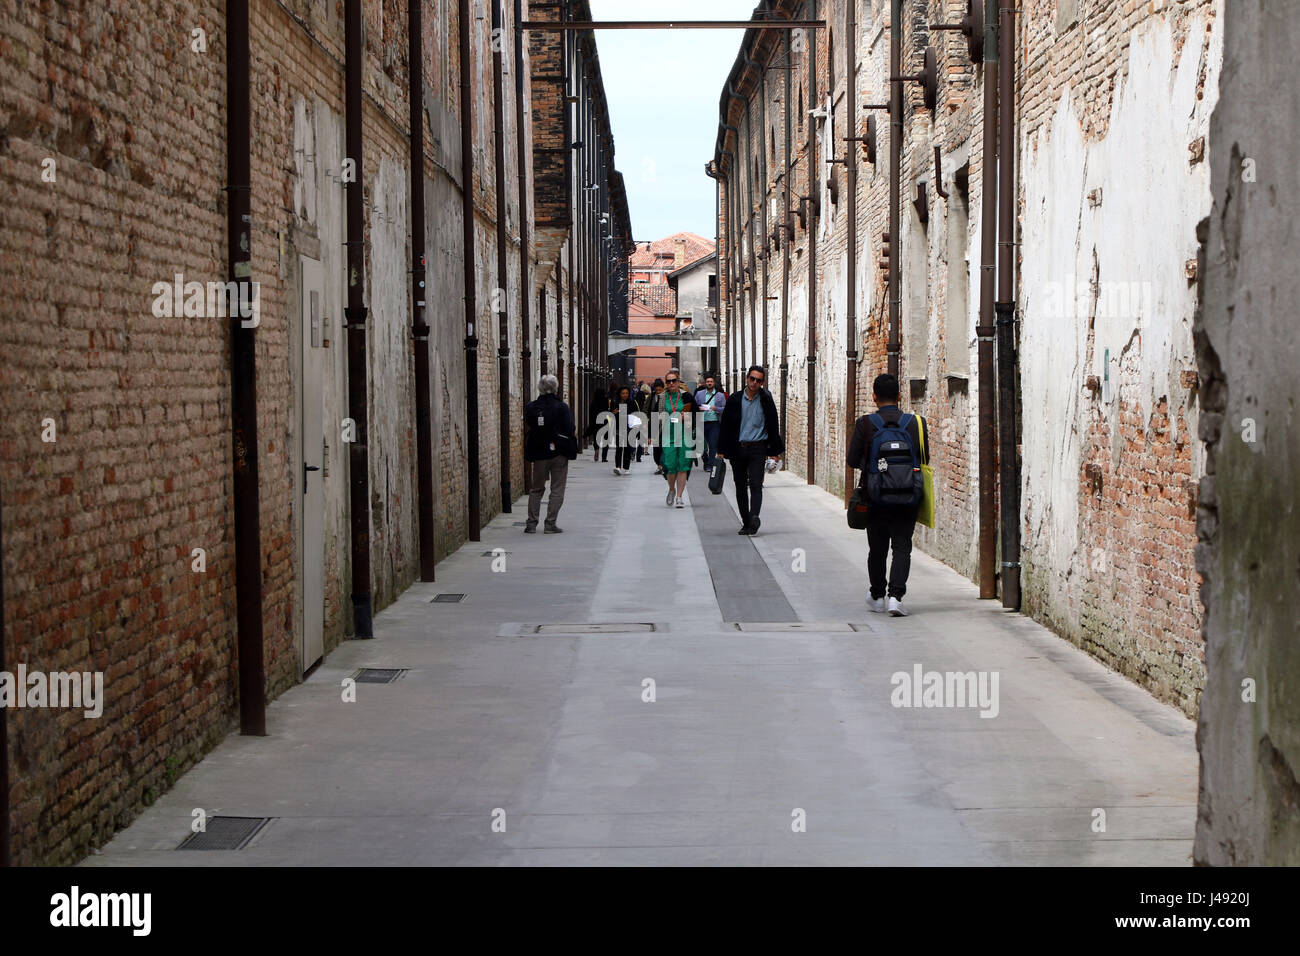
772,736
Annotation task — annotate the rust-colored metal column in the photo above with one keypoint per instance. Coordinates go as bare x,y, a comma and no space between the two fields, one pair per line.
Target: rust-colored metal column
851,177
425,502
895,172
811,224
984,331
500,298
1008,452
243,379
787,234
471,296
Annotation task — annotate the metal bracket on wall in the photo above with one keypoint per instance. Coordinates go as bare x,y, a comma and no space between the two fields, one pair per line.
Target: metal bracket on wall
971,27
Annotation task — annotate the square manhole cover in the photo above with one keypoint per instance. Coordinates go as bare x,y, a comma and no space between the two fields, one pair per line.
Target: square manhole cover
225,833
379,675
446,598
615,628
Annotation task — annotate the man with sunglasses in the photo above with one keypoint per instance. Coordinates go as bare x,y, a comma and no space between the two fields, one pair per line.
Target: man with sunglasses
750,432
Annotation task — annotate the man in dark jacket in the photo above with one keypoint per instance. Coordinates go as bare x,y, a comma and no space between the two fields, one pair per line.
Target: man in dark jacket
887,526
549,446
750,431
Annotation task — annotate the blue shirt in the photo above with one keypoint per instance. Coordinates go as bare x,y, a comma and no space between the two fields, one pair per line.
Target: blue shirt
709,405
753,423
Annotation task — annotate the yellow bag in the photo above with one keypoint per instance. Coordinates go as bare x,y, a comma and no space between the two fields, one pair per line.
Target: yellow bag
925,511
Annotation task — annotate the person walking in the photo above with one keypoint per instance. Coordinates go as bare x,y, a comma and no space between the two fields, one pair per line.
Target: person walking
711,402
750,431
677,405
602,401
890,445
549,446
625,406
653,407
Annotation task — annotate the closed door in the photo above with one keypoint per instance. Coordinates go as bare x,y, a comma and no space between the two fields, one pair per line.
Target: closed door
313,458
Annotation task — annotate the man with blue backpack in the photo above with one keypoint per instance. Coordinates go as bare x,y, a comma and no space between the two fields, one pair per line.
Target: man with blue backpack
889,446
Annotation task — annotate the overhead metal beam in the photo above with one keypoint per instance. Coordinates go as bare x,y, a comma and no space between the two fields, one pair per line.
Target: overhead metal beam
556,26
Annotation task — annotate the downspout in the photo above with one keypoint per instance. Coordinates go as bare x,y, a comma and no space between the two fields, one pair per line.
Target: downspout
851,175
734,273
565,356
243,379
787,173
767,251
525,279
471,295
356,313
419,325
811,228
984,332
1008,462
895,171
499,296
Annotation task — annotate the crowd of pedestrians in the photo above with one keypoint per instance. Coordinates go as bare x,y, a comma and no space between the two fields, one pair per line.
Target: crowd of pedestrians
741,431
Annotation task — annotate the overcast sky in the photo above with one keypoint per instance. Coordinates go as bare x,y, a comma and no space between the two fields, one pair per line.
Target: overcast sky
663,88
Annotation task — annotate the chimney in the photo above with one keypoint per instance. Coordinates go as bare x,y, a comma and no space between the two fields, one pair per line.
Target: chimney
679,253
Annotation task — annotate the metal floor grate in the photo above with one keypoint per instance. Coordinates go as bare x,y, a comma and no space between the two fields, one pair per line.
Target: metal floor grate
616,628
493,554
379,675
225,833
446,598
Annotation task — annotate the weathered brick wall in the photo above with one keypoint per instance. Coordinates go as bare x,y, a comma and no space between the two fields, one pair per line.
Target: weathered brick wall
1107,489
100,524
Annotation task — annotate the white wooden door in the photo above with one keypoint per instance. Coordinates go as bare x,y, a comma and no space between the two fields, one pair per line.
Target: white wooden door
313,453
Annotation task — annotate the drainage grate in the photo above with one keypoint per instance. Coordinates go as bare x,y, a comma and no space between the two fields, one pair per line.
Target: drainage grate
379,675
787,626
493,554
520,524
225,833
594,628
446,598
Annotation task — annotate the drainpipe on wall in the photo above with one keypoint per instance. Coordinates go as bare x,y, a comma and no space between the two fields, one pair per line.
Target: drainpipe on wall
419,326
355,313
499,298
525,279
788,175
471,296
984,332
243,379
767,252
1008,463
895,171
851,175
812,254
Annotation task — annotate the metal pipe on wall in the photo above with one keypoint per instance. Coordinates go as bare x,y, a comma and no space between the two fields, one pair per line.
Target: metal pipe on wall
1008,464
500,298
425,502
4,720
811,225
767,252
243,379
471,295
521,174
851,176
356,313
895,172
984,331
787,235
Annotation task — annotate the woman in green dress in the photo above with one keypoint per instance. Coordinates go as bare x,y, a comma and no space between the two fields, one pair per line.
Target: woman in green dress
676,406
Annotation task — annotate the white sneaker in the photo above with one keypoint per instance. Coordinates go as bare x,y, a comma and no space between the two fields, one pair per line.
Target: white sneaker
618,471
896,608
680,503
876,604
669,500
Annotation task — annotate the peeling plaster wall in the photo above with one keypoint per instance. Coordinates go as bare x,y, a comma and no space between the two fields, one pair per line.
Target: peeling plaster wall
1108,228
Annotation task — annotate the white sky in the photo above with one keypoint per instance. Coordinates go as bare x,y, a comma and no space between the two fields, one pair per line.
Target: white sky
663,88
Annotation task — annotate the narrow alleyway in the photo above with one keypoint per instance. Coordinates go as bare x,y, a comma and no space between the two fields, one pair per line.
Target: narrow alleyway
772,687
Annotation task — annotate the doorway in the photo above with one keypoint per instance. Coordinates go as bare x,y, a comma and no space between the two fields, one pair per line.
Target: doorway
312,430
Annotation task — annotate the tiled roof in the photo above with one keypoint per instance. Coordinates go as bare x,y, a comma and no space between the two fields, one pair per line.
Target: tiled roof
660,253
659,299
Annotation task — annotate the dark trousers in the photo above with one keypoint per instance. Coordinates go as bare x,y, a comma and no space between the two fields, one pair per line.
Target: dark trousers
623,457
747,472
889,528
710,442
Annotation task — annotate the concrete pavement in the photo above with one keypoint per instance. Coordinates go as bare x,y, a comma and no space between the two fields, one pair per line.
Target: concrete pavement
774,705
